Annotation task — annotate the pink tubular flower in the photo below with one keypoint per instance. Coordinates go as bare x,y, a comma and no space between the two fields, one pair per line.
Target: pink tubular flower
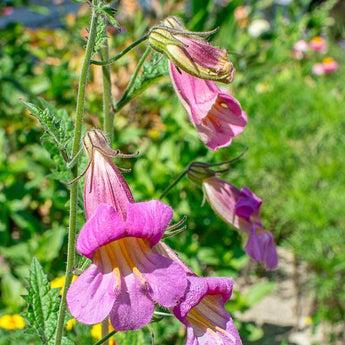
202,311
190,52
104,182
217,116
126,276
202,307
240,209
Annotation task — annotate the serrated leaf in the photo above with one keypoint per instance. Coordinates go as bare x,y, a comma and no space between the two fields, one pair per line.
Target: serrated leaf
43,304
100,35
109,13
152,72
57,124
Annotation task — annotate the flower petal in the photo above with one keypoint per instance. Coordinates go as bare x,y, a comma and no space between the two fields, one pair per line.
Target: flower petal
104,227
134,307
261,247
166,278
217,116
105,184
148,219
200,287
92,295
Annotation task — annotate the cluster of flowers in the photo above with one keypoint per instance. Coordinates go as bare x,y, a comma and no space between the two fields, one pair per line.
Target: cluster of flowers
317,44
131,268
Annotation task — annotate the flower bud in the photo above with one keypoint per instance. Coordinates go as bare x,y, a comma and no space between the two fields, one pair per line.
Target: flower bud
190,52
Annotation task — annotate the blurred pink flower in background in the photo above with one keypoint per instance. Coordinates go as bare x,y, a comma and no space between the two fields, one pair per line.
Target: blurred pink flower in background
299,49
319,44
328,65
7,11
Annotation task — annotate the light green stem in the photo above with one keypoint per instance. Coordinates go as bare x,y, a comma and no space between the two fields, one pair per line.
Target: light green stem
107,99
125,96
125,51
74,187
167,190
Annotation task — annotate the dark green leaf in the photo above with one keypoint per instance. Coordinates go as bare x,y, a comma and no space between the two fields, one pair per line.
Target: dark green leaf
43,304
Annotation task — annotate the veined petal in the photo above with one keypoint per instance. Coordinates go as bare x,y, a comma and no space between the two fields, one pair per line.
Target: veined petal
91,296
105,184
203,312
217,116
200,287
104,227
148,219
223,197
166,278
134,307
261,247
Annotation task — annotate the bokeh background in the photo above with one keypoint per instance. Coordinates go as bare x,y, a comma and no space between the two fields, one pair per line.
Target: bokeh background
295,140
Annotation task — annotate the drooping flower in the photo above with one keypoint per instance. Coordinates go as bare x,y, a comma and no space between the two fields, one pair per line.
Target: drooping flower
202,307
190,52
202,311
104,182
240,209
126,276
216,115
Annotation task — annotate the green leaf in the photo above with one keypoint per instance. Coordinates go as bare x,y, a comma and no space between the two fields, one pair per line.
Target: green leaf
43,304
257,292
49,244
100,34
109,13
152,72
57,124
11,289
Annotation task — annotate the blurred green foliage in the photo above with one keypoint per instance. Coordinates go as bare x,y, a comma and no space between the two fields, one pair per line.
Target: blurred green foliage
294,163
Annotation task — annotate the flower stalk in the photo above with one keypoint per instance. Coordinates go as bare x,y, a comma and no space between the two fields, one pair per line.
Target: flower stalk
118,56
74,188
126,97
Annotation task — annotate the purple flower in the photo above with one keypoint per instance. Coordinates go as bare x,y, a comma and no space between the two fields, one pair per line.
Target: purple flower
240,209
190,52
217,116
202,311
126,276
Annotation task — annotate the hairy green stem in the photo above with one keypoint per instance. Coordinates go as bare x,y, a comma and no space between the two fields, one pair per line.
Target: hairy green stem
74,187
125,96
107,99
125,51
